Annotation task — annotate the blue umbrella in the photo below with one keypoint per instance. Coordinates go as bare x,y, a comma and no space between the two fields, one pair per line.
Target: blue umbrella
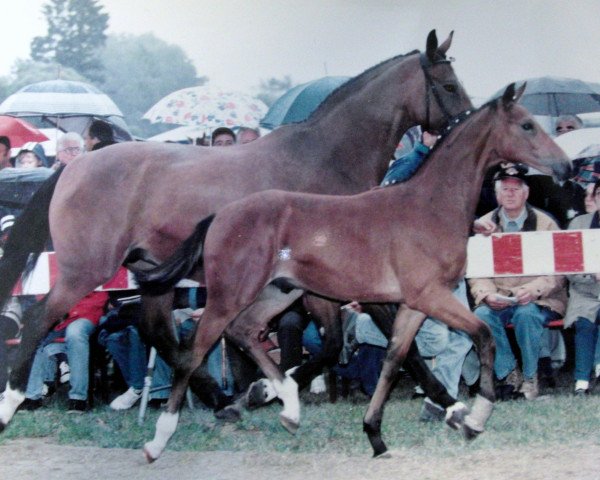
298,103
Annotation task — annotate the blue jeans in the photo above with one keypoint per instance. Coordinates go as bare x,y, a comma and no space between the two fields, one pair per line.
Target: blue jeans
77,348
586,337
529,322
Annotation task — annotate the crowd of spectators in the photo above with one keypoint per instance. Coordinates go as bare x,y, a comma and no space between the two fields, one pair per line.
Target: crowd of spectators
512,200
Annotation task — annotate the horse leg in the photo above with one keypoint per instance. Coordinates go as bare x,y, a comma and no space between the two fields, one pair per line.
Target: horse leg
244,331
157,329
327,314
406,325
37,322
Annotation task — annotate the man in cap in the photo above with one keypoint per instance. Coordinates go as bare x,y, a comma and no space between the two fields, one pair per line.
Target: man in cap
527,302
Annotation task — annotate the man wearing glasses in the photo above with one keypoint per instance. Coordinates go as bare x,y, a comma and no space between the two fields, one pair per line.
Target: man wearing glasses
68,147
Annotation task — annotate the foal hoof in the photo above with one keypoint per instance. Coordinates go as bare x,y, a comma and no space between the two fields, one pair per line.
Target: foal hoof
470,433
289,424
455,416
148,455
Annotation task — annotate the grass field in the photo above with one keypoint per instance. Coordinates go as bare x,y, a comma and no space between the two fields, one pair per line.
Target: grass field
555,419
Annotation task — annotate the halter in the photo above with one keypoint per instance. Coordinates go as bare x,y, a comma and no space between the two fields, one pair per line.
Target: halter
426,64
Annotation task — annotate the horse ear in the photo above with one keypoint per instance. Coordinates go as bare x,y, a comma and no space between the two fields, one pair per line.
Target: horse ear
443,48
432,45
519,92
508,97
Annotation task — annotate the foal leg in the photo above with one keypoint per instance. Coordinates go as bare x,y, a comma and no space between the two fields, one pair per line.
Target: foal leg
406,325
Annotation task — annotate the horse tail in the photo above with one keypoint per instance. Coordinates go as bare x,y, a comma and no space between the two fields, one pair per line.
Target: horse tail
165,276
28,236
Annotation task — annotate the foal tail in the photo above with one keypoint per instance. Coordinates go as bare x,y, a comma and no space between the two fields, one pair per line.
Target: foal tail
164,277
28,235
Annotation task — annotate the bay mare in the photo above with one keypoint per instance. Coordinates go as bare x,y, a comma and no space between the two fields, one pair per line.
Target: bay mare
111,203
400,244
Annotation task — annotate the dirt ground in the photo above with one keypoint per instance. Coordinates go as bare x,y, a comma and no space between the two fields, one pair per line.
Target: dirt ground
36,458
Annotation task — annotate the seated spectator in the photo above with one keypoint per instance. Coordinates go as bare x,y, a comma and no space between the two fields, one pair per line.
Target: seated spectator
583,309
98,135
71,336
4,152
223,137
28,158
118,333
567,123
529,303
247,135
10,329
69,146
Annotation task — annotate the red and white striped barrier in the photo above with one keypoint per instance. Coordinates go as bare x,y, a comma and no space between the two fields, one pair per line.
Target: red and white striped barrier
555,252
499,255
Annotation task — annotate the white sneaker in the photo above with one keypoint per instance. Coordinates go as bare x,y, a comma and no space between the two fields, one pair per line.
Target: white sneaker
126,400
318,385
65,372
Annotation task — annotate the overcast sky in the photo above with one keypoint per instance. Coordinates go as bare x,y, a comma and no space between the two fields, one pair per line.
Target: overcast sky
236,43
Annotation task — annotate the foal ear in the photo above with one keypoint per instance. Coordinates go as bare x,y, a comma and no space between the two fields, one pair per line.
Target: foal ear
508,97
443,48
432,45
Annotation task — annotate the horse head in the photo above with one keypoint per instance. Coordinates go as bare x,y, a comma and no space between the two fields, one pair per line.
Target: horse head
522,139
444,96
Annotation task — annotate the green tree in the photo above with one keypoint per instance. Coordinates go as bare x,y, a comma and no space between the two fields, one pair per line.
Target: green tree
273,88
139,71
76,32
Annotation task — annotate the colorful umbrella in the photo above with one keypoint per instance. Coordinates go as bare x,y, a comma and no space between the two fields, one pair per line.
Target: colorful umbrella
299,102
19,131
207,107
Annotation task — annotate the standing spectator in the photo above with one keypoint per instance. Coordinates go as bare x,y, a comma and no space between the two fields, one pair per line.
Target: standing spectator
69,146
583,308
28,158
98,135
75,332
247,135
529,303
4,152
223,137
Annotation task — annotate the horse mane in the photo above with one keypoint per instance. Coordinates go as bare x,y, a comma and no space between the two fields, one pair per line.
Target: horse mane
355,83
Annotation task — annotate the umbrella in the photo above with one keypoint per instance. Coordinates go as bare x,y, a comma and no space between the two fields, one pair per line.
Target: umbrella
207,107
575,142
67,105
298,103
19,131
557,96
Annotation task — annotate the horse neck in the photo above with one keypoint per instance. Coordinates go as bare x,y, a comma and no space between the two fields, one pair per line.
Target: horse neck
450,180
358,135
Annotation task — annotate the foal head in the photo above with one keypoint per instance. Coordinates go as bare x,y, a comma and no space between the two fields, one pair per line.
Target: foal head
519,138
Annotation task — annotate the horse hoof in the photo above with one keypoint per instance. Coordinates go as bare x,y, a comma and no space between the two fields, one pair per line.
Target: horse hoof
289,424
384,454
230,414
470,433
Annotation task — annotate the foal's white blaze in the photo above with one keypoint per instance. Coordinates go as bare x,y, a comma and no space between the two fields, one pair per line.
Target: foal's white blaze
287,391
11,399
165,428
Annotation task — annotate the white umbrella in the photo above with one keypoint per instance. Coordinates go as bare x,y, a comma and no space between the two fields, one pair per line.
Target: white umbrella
59,97
207,107
575,141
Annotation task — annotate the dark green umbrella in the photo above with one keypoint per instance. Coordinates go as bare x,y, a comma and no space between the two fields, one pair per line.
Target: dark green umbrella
298,103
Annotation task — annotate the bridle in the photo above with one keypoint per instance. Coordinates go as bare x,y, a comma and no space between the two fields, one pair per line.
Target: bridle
426,64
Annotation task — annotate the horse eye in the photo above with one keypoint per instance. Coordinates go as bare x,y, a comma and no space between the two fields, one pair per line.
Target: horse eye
450,88
527,126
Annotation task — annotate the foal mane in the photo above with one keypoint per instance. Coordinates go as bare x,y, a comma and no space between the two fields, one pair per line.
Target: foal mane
355,83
